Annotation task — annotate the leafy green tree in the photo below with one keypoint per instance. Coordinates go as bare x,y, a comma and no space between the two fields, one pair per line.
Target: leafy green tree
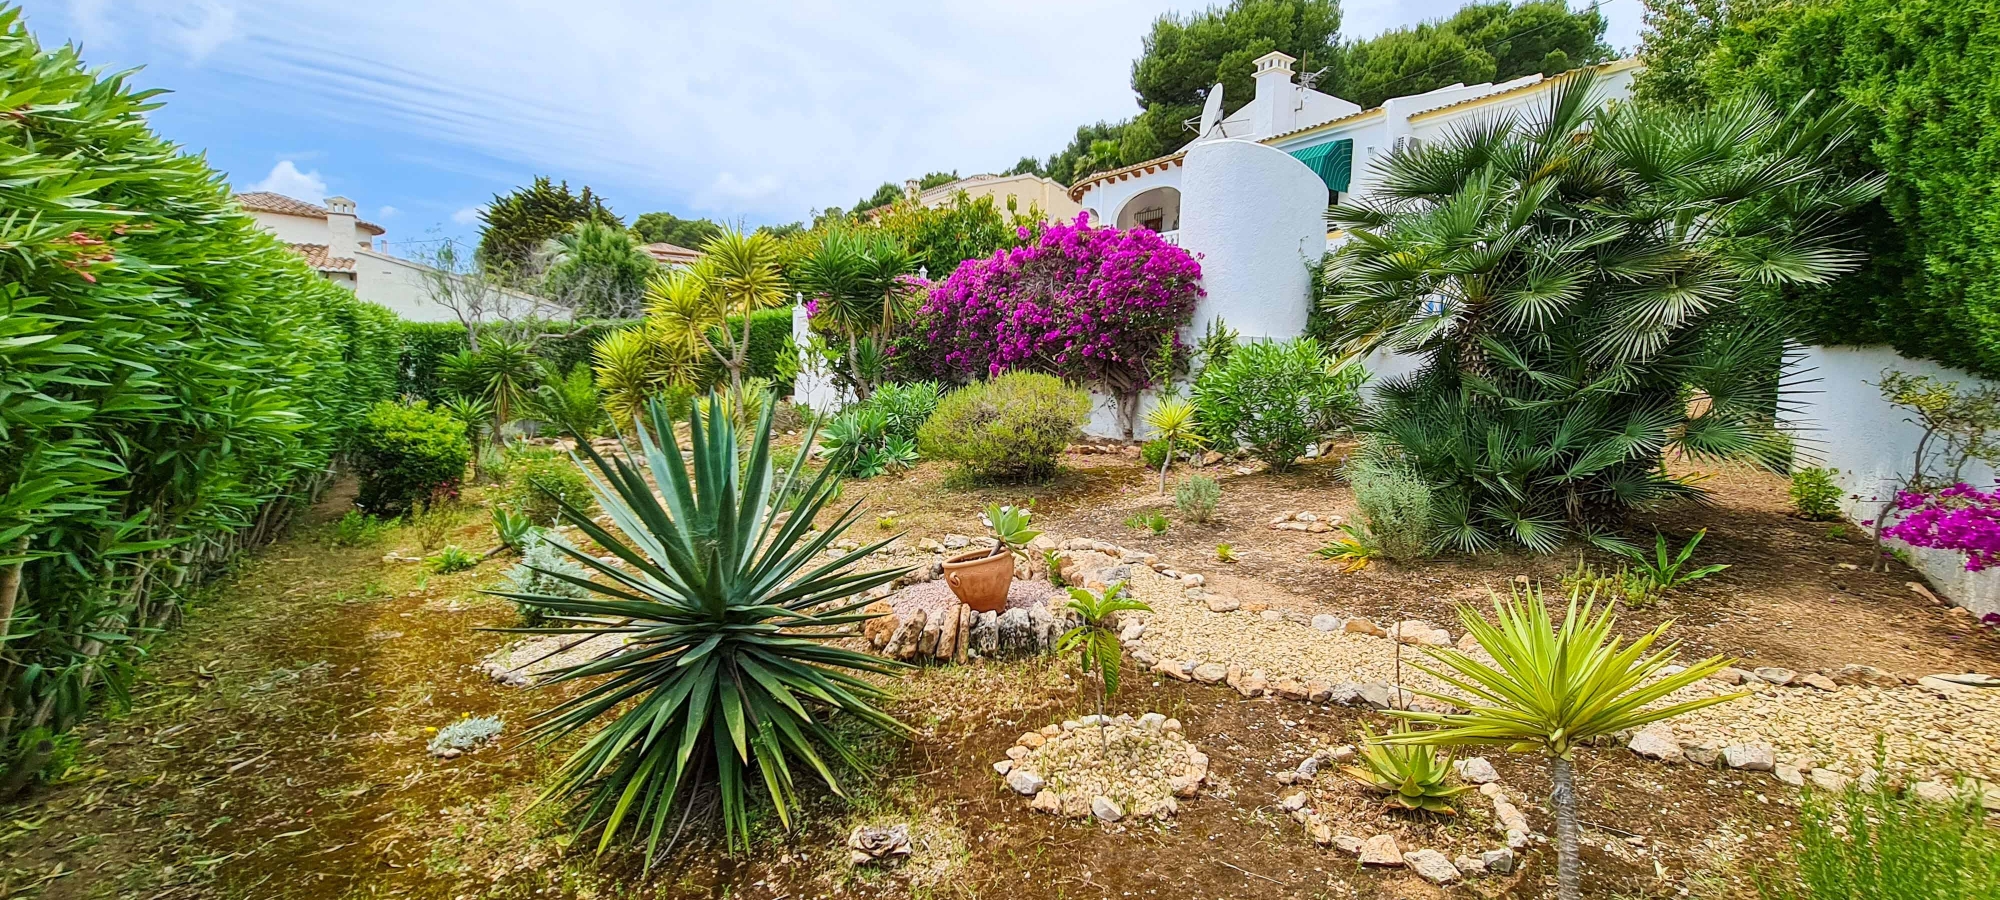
890,192
1184,56
665,227
598,270
1494,41
1567,281
728,682
1919,76
941,237
518,223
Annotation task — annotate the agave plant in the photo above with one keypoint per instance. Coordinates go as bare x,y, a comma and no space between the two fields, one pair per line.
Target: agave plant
726,678
1566,278
1410,776
1551,689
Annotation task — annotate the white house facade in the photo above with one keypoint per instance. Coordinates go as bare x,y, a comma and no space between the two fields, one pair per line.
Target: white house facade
1248,195
342,248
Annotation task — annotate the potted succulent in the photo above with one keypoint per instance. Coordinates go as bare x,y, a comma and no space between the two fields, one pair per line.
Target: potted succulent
980,578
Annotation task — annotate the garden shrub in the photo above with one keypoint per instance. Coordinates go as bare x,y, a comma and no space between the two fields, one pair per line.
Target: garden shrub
1815,494
1277,399
1875,844
1153,453
1195,497
880,432
530,576
540,480
1092,305
175,383
1394,504
404,454
1010,428
1552,382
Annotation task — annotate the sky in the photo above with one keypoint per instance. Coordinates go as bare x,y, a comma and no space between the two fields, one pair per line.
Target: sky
748,111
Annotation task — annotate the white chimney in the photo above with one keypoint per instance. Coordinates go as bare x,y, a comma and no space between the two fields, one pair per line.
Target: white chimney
340,229
1277,98
912,188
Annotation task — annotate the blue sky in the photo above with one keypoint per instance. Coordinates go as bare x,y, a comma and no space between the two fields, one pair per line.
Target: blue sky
748,111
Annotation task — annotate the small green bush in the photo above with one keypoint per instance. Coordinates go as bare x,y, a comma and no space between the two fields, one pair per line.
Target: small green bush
452,558
1153,453
1874,844
880,433
1277,399
357,528
1011,428
405,454
1395,506
1195,497
538,478
531,576
1815,494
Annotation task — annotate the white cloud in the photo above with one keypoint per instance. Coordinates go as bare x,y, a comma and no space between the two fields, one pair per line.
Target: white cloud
285,178
466,216
762,109
387,212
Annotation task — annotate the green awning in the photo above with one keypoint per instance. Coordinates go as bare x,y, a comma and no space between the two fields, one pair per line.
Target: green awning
1334,162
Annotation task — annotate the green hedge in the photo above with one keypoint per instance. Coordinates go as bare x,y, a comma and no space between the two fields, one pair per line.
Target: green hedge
408,454
174,382
564,346
1920,75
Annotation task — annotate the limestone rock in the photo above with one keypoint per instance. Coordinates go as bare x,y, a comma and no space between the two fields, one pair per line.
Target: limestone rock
1789,774
1829,780
1003,767
1324,622
1347,843
947,643
1293,802
1013,632
1775,675
1730,675
878,843
1047,802
1656,742
1432,866
1381,850
1172,669
1855,673
1209,673
1221,604
1290,689
1499,862
1359,625
1819,682
985,638
1032,739
879,629
1106,809
1025,782
1469,866
1476,770
1750,757
1933,792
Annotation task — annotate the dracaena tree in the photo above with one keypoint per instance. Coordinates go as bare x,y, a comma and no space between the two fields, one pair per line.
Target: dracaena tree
1571,281
859,284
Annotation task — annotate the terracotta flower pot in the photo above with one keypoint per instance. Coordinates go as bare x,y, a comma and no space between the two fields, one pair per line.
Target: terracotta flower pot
979,580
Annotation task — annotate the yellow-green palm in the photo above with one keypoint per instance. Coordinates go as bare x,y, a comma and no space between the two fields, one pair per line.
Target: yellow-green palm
1551,689
1174,420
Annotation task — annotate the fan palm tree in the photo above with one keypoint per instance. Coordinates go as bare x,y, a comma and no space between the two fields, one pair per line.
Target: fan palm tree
1569,280
1551,689
861,282
726,677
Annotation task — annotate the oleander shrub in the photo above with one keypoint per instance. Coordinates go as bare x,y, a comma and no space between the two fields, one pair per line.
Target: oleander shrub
1277,399
1011,428
175,384
406,453
539,481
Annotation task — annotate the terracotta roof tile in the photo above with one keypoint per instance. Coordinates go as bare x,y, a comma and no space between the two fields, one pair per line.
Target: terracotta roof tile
267,201
671,253
1139,168
316,257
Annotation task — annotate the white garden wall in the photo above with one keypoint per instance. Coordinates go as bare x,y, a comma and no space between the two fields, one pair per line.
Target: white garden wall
1842,422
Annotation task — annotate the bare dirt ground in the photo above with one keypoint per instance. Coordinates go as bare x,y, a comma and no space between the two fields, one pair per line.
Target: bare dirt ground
275,743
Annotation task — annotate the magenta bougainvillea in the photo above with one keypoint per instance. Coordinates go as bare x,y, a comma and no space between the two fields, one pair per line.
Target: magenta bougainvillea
1089,304
1960,517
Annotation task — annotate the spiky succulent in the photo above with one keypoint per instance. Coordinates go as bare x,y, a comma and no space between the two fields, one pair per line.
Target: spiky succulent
1407,775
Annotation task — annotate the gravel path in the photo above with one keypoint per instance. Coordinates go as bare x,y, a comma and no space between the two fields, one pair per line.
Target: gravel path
1927,734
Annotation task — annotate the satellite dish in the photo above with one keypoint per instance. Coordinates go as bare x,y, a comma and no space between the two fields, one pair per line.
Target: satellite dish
1211,112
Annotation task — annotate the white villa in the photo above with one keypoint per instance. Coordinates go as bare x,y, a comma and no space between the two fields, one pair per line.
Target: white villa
342,248
1249,195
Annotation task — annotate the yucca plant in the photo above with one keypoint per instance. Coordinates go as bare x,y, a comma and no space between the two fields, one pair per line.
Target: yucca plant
726,679
1093,639
1410,776
1174,420
1552,689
